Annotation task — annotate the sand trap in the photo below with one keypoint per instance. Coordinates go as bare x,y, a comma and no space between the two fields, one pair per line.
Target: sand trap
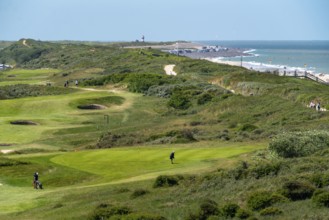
23,122
7,151
92,107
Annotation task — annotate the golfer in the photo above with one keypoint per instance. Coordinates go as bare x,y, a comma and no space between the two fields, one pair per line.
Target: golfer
172,157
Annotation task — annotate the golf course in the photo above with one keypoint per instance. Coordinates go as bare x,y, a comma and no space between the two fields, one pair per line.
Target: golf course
98,123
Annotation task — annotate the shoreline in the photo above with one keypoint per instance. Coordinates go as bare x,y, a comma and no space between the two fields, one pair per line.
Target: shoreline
282,70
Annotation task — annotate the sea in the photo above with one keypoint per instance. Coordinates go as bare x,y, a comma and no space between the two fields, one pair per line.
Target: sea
311,56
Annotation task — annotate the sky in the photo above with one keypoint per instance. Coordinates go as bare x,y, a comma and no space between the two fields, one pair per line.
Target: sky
164,20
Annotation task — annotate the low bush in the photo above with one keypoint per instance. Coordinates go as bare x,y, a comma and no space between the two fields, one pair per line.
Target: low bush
260,200
142,82
240,171
264,169
229,210
298,144
180,101
207,208
105,211
6,162
139,193
22,90
108,140
167,181
296,190
270,211
321,198
243,214
247,127
141,216
320,180
204,98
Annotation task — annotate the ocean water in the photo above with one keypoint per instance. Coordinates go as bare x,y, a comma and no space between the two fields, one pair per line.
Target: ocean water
312,56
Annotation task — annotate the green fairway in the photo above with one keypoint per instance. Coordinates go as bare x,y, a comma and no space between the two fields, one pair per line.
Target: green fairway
113,166
53,113
132,164
23,76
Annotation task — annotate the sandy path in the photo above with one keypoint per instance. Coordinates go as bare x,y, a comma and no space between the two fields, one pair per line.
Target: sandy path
169,69
25,44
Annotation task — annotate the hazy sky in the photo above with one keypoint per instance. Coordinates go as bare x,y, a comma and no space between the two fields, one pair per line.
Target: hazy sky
164,20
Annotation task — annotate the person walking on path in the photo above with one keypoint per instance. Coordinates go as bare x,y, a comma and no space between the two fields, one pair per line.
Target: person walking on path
172,157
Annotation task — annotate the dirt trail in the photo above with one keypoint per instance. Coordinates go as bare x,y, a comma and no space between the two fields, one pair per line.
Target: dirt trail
169,69
25,44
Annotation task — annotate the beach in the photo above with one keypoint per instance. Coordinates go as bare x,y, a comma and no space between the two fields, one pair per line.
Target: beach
261,67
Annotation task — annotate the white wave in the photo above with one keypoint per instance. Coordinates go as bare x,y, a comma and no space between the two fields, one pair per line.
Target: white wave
249,51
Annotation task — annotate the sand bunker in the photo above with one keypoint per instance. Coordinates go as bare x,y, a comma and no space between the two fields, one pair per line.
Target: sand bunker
92,107
7,151
23,122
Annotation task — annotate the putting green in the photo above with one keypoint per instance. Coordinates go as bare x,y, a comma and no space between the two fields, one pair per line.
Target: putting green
132,164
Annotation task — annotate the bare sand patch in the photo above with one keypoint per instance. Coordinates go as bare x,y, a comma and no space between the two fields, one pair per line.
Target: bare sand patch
169,69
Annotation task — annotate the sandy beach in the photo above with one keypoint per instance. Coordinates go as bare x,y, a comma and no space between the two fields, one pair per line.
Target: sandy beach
282,70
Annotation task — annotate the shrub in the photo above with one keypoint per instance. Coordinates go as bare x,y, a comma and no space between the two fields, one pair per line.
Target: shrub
243,214
204,98
142,82
166,181
104,211
321,198
179,101
138,193
247,127
208,208
296,190
320,180
261,200
265,169
6,162
240,171
142,216
298,144
230,210
270,211
22,90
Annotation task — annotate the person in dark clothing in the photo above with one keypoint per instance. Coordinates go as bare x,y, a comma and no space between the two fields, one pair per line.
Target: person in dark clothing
35,180
172,157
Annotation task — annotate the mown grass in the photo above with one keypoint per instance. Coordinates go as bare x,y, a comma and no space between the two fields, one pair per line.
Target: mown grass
140,163
50,112
24,76
60,173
